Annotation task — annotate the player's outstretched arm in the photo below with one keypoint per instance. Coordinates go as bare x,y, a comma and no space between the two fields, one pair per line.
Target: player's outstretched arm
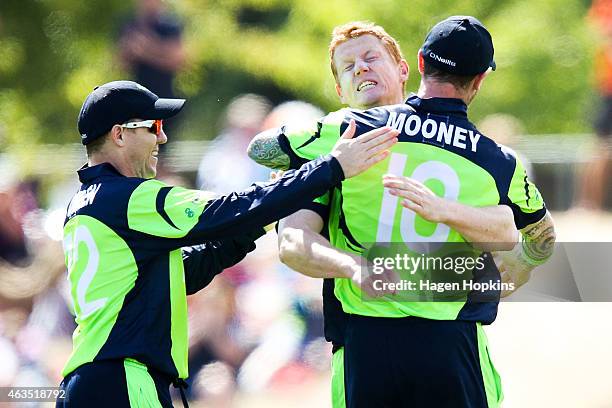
536,226
492,228
191,217
265,149
304,249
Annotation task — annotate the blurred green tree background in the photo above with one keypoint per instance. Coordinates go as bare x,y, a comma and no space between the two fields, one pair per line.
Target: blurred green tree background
53,52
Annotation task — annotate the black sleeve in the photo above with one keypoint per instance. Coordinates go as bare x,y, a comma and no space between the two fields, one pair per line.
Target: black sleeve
321,209
175,217
264,203
203,262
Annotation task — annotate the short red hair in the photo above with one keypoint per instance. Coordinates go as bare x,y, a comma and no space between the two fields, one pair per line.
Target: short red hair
355,29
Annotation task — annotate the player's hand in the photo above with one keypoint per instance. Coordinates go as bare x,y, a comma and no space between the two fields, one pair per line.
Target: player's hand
417,197
372,284
512,270
359,154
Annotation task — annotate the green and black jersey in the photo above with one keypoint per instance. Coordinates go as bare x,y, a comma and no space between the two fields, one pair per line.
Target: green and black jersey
439,147
135,248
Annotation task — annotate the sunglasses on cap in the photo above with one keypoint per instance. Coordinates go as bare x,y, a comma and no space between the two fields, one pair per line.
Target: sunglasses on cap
154,125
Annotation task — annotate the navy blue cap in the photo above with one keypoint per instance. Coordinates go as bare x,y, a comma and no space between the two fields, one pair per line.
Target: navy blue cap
116,102
459,45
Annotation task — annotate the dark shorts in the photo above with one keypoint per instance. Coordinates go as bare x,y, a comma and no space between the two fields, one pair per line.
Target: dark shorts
116,384
418,363
603,121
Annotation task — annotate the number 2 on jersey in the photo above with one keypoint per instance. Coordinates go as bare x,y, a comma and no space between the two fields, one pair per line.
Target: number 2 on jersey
71,248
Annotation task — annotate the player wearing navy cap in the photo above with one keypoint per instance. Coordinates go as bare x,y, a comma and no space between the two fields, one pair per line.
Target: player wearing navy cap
136,247
370,71
423,353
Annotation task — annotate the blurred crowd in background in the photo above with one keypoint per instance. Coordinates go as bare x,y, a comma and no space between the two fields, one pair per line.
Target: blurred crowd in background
258,325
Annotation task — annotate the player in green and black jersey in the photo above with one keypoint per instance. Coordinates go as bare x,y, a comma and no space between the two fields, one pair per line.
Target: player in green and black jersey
136,247
438,146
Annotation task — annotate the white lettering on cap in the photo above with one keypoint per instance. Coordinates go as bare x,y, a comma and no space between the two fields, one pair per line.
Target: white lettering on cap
443,60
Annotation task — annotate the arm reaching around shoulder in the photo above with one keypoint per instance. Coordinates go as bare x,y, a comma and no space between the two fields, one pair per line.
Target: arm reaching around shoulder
536,247
189,217
304,249
265,149
491,228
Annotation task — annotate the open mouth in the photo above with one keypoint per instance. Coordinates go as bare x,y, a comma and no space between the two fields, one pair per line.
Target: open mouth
365,85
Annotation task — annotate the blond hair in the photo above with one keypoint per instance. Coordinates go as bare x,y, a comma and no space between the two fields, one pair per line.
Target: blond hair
355,29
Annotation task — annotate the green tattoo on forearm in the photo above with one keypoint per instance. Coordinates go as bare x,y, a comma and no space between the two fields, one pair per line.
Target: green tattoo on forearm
267,152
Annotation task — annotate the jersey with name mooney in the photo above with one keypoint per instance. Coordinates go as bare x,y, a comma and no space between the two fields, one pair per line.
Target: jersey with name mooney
439,147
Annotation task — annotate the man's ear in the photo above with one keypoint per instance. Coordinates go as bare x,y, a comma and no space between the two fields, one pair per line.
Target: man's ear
479,79
404,70
421,62
339,92
116,134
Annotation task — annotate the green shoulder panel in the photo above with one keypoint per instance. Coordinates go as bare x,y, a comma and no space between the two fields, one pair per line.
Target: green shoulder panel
98,284
299,134
523,192
309,144
179,213
185,206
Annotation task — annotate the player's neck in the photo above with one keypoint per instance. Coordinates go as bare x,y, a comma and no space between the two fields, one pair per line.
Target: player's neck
117,162
433,89
392,101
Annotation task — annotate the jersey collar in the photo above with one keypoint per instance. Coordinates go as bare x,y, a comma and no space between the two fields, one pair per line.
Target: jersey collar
447,106
87,174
